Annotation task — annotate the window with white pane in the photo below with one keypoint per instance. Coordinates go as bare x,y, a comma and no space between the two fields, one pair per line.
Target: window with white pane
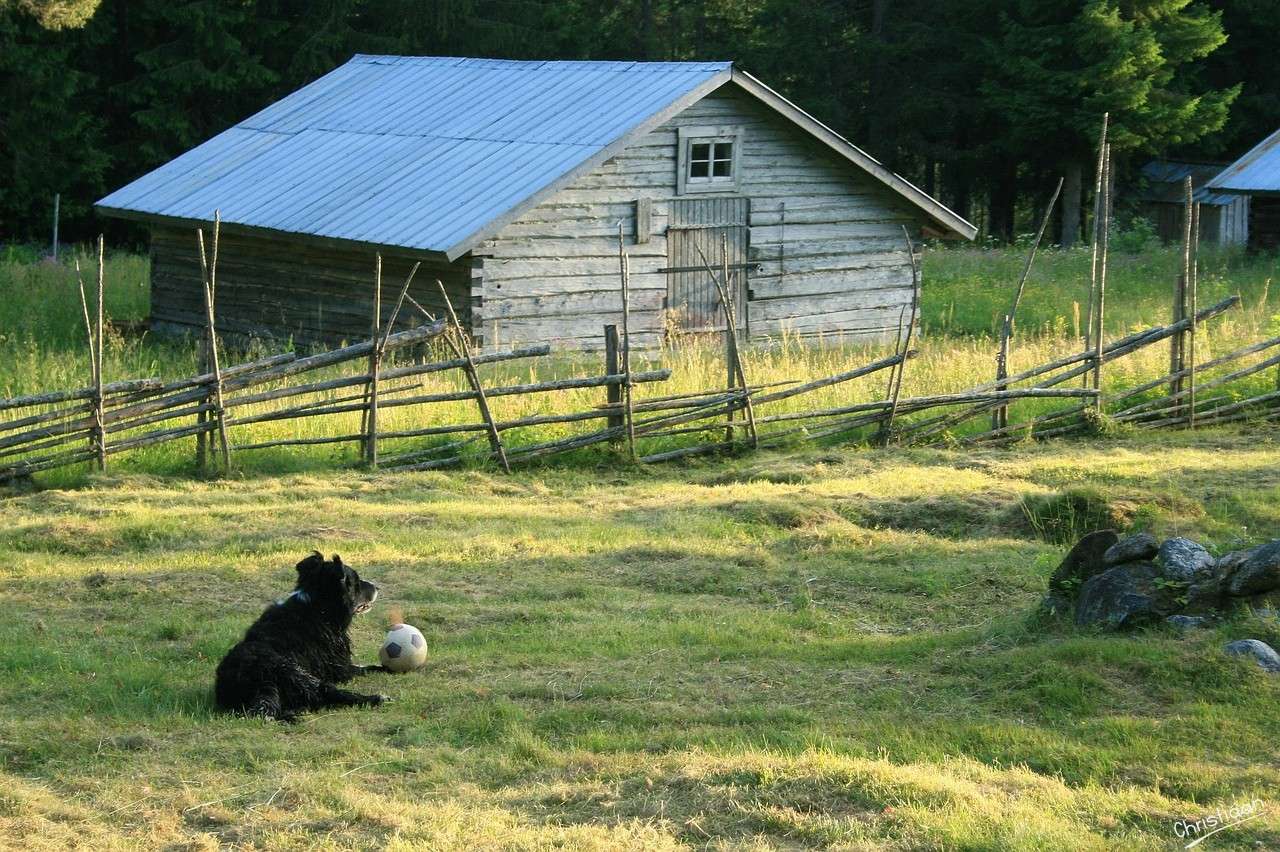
709,159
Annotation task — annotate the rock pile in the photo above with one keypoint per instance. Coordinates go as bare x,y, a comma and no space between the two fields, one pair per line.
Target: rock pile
1119,583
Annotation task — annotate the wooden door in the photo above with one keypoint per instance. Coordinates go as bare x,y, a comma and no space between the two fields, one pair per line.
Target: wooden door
698,228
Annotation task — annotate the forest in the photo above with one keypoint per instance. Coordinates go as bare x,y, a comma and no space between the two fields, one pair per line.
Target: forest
983,103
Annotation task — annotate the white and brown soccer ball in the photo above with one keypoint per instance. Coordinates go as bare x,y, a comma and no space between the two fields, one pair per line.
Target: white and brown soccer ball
404,649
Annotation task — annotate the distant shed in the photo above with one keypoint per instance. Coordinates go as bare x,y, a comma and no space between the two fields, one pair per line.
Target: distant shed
1224,217
1257,175
510,180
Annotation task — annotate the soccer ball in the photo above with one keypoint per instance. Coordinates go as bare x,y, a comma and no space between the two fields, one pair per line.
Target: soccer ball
404,649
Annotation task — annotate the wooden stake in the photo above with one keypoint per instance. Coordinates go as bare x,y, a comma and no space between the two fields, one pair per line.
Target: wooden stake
1097,218
219,412
1001,417
613,393
464,348
1177,345
375,363
1105,236
57,203
100,427
624,271
1193,285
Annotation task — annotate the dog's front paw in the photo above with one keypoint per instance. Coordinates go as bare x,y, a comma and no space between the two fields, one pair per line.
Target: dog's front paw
384,699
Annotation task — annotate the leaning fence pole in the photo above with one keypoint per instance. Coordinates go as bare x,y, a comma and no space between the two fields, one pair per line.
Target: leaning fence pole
1105,239
624,272
219,412
1001,416
93,356
732,354
100,427
464,348
886,427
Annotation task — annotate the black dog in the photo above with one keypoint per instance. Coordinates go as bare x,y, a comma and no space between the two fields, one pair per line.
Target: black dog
292,657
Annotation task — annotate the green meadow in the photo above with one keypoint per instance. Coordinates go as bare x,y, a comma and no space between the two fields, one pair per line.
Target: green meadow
823,646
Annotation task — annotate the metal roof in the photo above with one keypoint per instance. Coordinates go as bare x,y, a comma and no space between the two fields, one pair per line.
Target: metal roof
433,153
1257,172
1163,183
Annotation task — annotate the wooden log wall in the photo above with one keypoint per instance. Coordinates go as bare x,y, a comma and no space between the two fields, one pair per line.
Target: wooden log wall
832,263
278,288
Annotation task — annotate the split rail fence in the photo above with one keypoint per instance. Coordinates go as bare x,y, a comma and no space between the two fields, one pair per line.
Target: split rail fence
219,406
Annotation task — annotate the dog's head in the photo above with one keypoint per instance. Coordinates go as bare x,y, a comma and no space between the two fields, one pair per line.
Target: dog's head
334,586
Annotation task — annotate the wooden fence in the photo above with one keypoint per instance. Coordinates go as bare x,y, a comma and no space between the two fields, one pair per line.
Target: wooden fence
59,428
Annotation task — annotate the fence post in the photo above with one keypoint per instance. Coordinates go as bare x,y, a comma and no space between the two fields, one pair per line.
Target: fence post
375,325
624,272
100,427
1194,306
57,202
613,392
1177,343
1105,237
208,277
730,337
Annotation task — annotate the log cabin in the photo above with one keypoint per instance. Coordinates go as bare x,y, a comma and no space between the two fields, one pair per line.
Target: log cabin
512,182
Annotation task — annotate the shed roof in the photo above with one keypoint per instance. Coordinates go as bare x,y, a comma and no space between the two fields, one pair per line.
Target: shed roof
437,153
1256,173
1163,182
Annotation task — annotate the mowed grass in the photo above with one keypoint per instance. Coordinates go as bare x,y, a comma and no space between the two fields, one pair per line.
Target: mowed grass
965,294
817,648
821,647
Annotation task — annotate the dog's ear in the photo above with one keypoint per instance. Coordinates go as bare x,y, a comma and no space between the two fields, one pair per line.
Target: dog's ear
337,560
311,563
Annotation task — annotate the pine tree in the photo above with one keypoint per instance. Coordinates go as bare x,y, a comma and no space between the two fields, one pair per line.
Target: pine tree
1051,69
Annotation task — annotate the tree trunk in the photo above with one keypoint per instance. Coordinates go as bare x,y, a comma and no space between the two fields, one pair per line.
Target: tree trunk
1072,187
877,123
1002,199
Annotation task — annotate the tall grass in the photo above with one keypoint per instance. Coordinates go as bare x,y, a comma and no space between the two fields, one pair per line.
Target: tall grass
966,291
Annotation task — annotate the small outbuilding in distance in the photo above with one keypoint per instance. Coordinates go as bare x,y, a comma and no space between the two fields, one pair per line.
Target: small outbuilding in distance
509,181
1256,175
1224,217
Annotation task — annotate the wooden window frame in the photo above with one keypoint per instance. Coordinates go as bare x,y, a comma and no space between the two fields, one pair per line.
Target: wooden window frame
686,138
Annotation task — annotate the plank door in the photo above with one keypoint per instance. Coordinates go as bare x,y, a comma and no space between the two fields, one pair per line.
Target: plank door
693,303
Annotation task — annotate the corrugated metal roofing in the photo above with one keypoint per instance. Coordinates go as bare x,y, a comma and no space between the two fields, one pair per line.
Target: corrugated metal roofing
1164,182
1256,172
419,152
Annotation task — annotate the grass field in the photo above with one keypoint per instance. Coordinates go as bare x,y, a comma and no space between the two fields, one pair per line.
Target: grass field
811,649
821,647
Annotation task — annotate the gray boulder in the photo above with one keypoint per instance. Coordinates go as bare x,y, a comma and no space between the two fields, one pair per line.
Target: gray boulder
1131,548
1185,623
1256,574
1261,652
1081,562
1124,596
1185,561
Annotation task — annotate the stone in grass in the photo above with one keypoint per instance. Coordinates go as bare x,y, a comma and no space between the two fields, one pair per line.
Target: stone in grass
1081,562
1185,623
1262,653
1131,548
1258,573
1124,596
1184,561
